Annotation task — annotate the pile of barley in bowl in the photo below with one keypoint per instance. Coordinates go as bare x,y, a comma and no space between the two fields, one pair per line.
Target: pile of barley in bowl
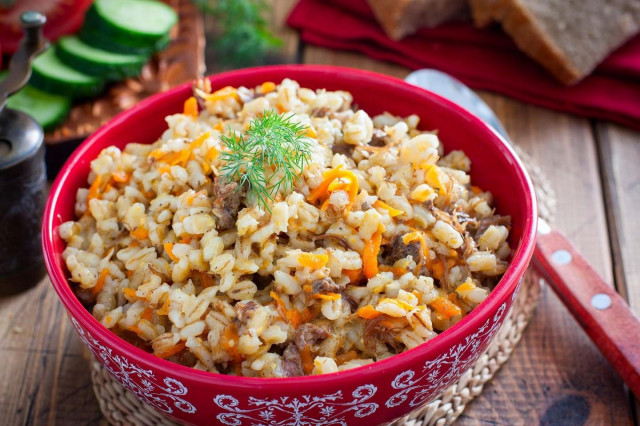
278,231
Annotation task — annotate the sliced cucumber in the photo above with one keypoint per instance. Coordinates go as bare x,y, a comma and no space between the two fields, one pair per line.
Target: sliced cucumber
98,62
52,75
132,23
100,40
47,109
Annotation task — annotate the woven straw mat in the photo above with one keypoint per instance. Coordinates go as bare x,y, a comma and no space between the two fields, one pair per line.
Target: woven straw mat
121,407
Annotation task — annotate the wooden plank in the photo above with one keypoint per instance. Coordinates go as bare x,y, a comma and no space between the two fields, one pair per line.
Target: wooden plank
46,376
280,10
619,150
545,381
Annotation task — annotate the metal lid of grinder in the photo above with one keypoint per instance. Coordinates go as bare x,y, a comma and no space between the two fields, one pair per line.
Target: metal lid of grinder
22,171
21,135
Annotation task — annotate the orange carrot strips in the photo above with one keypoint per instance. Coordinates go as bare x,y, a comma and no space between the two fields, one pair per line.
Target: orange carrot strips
313,261
101,279
168,247
370,254
191,107
367,312
392,212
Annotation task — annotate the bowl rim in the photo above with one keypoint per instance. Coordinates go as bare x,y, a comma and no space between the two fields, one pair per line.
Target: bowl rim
439,344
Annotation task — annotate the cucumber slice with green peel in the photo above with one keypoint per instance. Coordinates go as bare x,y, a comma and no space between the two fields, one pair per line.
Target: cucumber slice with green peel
99,40
98,62
135,23
51,75
47,109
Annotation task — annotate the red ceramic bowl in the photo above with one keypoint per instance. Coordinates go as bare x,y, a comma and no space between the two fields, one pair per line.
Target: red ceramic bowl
372,394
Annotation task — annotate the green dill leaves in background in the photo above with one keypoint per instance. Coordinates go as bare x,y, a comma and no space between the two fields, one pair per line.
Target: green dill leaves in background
242,37
268,158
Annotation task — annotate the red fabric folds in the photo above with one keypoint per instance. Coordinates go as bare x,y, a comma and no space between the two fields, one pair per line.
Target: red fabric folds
483,59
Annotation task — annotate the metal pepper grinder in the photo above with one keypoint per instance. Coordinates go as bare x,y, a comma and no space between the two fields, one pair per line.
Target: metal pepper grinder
22,171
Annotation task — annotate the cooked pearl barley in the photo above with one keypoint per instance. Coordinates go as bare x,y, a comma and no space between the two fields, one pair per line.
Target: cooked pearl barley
198,224
420,149
481,261
358,129
324,365
493,237
445,233
153,259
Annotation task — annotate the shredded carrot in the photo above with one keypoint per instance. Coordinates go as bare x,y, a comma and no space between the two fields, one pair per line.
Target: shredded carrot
465,286
368,312
158,154
134,328
177,348
179,158
311,132
353,274
295,317
323,192
267,86
121,176
219,126
433,178
147,314
437,268
445,307
164,310
186,239
225,92
307,360
129,273
313,261
191,107
398,271
140,233
211,154
230,341
94,189
328,296
101,279
165,168
168,247
392,212
346,357
129,293
197,142
476,190
108,318
370,254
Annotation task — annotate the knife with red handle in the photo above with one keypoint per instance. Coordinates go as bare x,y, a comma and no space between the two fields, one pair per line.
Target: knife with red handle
601,312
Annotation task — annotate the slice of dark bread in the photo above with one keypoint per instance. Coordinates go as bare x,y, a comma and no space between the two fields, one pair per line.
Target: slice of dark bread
568,37
400,18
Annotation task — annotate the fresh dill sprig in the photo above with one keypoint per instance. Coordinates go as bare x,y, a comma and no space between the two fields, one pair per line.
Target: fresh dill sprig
268,158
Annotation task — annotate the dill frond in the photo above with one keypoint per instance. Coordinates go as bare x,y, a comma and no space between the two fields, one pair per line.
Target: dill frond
268,158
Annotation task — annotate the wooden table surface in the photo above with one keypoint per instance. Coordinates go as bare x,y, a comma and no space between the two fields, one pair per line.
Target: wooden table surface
555,376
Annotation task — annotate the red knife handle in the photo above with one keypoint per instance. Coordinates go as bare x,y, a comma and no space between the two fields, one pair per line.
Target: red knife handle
614,329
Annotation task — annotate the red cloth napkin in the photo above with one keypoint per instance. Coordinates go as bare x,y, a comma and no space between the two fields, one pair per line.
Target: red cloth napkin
483,59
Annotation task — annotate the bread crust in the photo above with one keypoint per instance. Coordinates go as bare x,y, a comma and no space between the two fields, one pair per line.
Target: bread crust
400,18
528,35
